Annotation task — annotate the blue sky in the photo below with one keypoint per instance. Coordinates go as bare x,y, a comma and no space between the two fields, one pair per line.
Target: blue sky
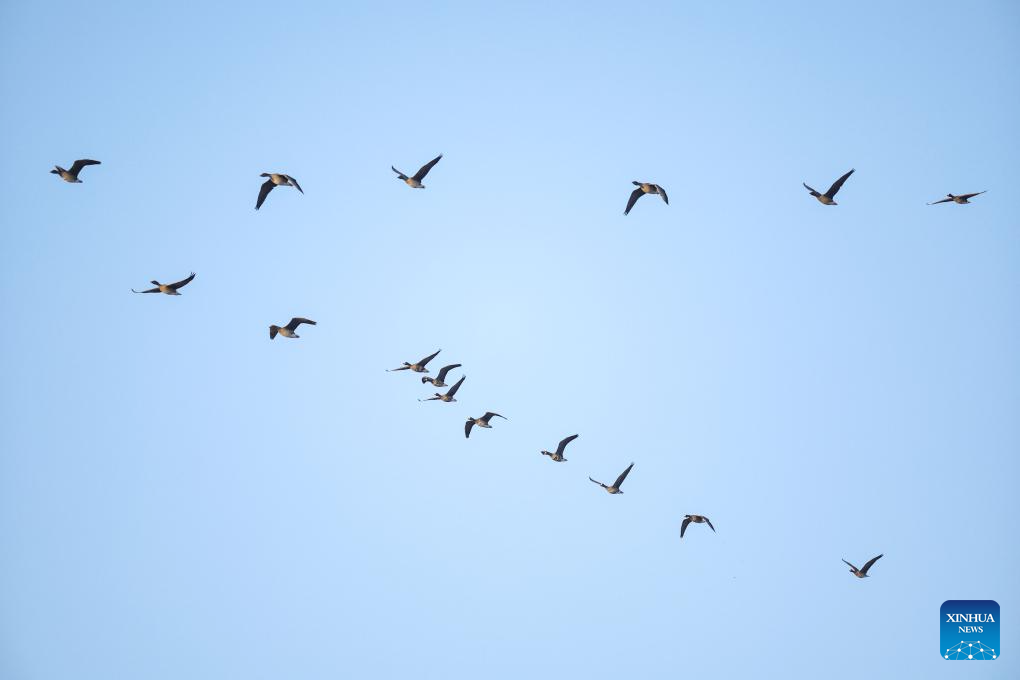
182,497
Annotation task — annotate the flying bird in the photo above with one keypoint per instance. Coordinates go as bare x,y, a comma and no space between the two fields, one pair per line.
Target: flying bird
557,456
615,488
480,422
448,397
642,189
72,174
415,181
826,198
438,380
288,330
417,367
697,519
167,288
276,179
863,571
962,199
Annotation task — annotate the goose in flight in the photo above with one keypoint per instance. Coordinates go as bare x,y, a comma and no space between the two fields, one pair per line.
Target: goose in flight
415,181
615,488
697,519
288,330
642,189
276,179
863,571
72,174
438,380
167,288
418,367
826,198
557,456
480,422
448,397
962,199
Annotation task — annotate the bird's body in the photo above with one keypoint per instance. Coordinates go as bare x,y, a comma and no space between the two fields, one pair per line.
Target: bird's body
642,189
828,196
71,175
276,179
438,381
557,455
962,199
288,330
615,488
167,288
418,367
863,571
480,422
448,397
415,180
697,519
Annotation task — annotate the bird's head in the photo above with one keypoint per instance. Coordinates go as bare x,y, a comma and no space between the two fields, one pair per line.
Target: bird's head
265,174
155,283
425,380
637,184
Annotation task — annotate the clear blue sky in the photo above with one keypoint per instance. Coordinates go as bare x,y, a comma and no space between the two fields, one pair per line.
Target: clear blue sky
181,497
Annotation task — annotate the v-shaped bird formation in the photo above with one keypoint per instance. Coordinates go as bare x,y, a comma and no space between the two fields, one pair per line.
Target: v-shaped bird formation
415,181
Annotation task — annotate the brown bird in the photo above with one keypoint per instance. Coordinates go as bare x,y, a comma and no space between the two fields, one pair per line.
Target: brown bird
826,198
642,189
288,330
480,422
557,455
448,397
417,367
72,174
962,199
166,288
863,571
697,519
415,181
438,380
615,488
276,179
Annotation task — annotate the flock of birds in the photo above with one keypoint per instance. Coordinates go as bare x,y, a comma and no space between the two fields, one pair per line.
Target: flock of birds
414,181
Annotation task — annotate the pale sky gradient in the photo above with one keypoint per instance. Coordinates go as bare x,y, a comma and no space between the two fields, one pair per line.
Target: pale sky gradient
181,497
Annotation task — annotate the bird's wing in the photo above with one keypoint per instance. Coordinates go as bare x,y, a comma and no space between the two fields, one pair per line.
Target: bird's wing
151,290
453,390
623,476
489,414
181,283
662,192
467,428
944,200
424,170
813,192
429,358
444,370
296,185
850,565
831,193
634,196
967,196
709,523
297,321
399,174
563,444
867,565
683,527
267,186
81,163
